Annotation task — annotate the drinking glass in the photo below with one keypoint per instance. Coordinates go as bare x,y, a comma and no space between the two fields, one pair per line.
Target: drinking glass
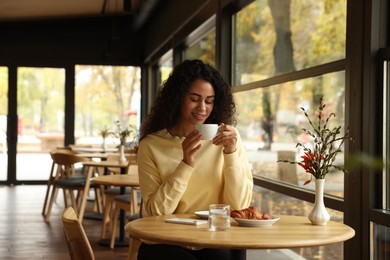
219,217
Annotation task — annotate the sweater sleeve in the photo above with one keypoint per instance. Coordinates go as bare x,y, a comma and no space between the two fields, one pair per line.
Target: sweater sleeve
160,195
237,178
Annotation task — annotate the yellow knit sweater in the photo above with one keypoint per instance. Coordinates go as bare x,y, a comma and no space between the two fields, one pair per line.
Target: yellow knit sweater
169,186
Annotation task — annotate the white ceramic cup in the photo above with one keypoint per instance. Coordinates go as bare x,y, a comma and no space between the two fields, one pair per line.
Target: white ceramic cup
219,217
208,131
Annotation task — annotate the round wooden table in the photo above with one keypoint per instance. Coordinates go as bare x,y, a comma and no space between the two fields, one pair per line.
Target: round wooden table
288,232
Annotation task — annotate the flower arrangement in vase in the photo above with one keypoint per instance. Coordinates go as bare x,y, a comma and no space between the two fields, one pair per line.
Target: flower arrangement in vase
319,160
123,135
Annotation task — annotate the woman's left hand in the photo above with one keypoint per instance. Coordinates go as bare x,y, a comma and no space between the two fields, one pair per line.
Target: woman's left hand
227,137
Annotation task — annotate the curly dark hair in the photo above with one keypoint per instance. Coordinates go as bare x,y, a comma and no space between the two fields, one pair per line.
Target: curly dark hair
168,105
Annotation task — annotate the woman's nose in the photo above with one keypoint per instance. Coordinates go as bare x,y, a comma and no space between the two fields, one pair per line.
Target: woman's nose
201,106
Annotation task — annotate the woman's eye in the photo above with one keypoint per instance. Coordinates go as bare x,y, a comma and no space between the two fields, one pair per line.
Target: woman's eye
209,101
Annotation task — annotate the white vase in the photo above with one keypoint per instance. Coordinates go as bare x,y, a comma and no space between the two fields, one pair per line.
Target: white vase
104,145
122,157
319,215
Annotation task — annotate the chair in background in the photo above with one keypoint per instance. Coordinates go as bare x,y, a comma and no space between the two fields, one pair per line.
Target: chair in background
66,179
77,240
52,176
129,203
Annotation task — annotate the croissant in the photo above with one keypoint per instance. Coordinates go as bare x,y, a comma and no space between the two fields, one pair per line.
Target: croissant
250,213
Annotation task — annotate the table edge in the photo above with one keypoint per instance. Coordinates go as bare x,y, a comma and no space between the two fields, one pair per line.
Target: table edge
135,234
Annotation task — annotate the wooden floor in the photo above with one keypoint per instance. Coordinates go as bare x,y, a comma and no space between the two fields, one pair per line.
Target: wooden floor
25,235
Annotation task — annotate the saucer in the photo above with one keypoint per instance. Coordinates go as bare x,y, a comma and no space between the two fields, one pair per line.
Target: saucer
256,222
202,214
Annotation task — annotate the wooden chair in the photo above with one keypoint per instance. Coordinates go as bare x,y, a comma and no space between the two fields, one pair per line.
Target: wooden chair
65,178
129,203
111,192
51,178
77,240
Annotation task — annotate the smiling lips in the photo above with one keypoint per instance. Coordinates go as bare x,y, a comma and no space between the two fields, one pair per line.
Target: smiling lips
200,116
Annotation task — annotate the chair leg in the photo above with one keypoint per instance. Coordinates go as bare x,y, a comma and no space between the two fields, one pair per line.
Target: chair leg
47,196
106,215
115,216
78,199
49,191
66,195
49,188
51,202
73,201
134,204
98,200
79,195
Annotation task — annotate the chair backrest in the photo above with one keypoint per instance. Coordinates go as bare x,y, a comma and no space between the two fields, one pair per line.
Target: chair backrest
65,161
66,158
77,240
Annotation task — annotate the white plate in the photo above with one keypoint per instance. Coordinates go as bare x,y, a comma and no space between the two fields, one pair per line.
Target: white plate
202,214
256,222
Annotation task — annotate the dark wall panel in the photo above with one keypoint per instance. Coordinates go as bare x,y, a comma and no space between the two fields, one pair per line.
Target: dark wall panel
86,41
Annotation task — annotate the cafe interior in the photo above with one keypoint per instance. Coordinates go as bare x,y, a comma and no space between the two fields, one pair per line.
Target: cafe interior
73,71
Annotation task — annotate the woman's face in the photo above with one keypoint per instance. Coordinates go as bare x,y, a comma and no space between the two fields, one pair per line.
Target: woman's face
198,102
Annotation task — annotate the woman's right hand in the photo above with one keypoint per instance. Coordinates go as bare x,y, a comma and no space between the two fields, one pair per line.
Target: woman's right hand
190,145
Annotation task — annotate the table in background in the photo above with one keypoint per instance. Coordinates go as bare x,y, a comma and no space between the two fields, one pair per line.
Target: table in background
120,180
101,156
94,150
288,232
91,165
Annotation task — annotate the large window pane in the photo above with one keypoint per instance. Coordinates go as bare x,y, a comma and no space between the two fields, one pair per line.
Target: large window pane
166,68
105,95
279,36
3,122
203,49
41,104
270,122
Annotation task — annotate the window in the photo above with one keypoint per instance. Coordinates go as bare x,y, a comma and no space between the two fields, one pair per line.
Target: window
269,116
105,95
40,110
287,55
201,43
165,66
275,37
270,123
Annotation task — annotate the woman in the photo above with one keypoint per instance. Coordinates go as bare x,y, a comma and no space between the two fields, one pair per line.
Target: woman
178,171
